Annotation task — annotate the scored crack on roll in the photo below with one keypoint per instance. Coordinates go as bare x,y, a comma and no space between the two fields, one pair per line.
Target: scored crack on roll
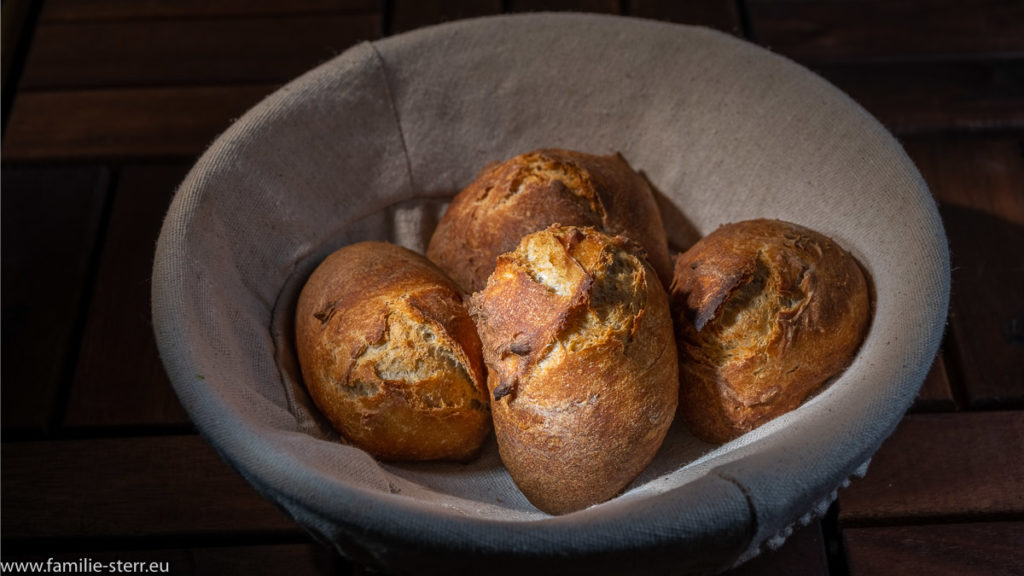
532,191
390,355
766,312
578,341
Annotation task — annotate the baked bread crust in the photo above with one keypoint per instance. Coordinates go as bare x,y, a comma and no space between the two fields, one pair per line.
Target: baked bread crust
532,191
578,342
390,355
766,312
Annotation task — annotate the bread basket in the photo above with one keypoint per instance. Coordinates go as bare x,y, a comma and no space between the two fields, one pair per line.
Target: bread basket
372,144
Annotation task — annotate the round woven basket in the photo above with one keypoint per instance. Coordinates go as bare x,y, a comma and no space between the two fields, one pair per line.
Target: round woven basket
372,144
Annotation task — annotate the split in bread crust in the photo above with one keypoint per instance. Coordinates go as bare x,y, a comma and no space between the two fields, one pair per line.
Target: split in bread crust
766,312
532,191
581,360
390,355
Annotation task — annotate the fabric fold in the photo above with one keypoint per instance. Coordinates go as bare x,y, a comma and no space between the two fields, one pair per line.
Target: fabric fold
372,144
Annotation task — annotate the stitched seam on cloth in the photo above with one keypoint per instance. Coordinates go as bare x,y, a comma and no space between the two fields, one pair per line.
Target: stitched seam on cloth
817,511
293,409
751,510
297,264
394,112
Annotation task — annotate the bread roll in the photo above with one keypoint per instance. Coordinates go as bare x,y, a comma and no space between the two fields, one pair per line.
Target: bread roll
535,190
390,355
766,311
581,361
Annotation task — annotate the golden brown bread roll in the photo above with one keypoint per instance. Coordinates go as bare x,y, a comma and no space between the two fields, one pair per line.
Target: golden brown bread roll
532,191
390,355
581,361
766,311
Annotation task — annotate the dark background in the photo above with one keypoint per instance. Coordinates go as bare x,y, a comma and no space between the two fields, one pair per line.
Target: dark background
106,104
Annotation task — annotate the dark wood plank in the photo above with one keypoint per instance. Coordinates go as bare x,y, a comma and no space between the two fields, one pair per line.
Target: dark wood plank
921,97
50,222
720,14
803,554
15,27
841,30
141,122
601,6
140,487
79,10
119,379
265,560
993,549
410,14
189,51
936,394
979,184
942,466
918,97
283,560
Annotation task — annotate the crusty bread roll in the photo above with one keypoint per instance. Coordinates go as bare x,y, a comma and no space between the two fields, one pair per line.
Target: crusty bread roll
390,355
532,191
766,311
581,361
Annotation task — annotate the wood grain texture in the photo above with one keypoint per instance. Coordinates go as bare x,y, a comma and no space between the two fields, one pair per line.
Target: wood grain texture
936,393
189,51
942,466
411,14
152,487
119,380
979,184
153,82
84,10
720,14
803,554
841,30
992,549
51,218
929,97
15,27
599,6
141,122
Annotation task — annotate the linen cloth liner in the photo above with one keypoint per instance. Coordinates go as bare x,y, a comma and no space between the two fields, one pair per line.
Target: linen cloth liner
372,144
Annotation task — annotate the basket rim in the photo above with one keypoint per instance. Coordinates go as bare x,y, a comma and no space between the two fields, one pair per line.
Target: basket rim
356,513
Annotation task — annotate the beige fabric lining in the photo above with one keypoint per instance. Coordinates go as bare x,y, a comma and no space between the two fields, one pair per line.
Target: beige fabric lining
372,144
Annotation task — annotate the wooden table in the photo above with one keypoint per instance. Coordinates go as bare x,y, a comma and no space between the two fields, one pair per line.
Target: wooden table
106,104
